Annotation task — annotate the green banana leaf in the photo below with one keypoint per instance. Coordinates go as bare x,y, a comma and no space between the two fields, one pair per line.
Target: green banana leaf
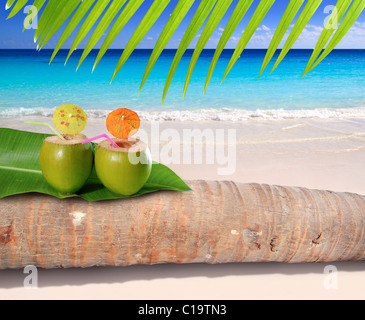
20,171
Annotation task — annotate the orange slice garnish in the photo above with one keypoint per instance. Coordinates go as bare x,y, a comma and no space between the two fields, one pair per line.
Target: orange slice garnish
123,123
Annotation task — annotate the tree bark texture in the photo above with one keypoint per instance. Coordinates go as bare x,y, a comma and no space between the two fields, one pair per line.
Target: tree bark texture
219,222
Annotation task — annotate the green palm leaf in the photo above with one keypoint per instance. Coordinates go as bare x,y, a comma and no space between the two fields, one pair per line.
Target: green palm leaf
74,22
104,23
148,21
18,6
47,18
352,15
298,28
38,4
89,22
9,4
237,15
215,18
260,13
63,15
119,24
341,8
196,23
175,20
289,15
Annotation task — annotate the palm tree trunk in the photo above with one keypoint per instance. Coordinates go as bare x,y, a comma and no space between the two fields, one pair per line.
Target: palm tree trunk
219,222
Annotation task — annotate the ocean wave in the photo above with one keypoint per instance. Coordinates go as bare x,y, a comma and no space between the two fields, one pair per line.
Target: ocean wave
223,114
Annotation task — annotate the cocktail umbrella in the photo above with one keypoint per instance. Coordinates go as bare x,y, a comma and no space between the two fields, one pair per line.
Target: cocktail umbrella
70,119
123,123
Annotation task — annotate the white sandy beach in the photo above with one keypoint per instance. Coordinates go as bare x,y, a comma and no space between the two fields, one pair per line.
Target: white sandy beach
314,153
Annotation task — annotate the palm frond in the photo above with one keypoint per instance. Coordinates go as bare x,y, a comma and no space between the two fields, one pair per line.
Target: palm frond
87,14
237,15
17,7
258,16
118,26
337,14
148,21
47,18
9,4
89,22
179,13
104,23
289,15
66,10
353,14
82,10
196,23
215,18
306,15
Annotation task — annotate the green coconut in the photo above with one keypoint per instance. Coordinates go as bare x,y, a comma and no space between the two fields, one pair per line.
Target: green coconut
66,164
123,170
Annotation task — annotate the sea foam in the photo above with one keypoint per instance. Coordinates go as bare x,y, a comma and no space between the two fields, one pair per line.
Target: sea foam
223,114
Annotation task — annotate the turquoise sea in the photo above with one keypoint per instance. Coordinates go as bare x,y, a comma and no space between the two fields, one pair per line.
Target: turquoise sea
30,85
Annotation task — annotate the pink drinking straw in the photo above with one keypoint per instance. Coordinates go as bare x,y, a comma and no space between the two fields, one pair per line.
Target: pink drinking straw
101,136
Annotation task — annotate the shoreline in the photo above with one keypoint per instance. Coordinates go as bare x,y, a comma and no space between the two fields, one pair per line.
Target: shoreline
210,114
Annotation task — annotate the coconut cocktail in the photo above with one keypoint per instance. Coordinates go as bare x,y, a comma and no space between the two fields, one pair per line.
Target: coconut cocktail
123,164
65,162
123,170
